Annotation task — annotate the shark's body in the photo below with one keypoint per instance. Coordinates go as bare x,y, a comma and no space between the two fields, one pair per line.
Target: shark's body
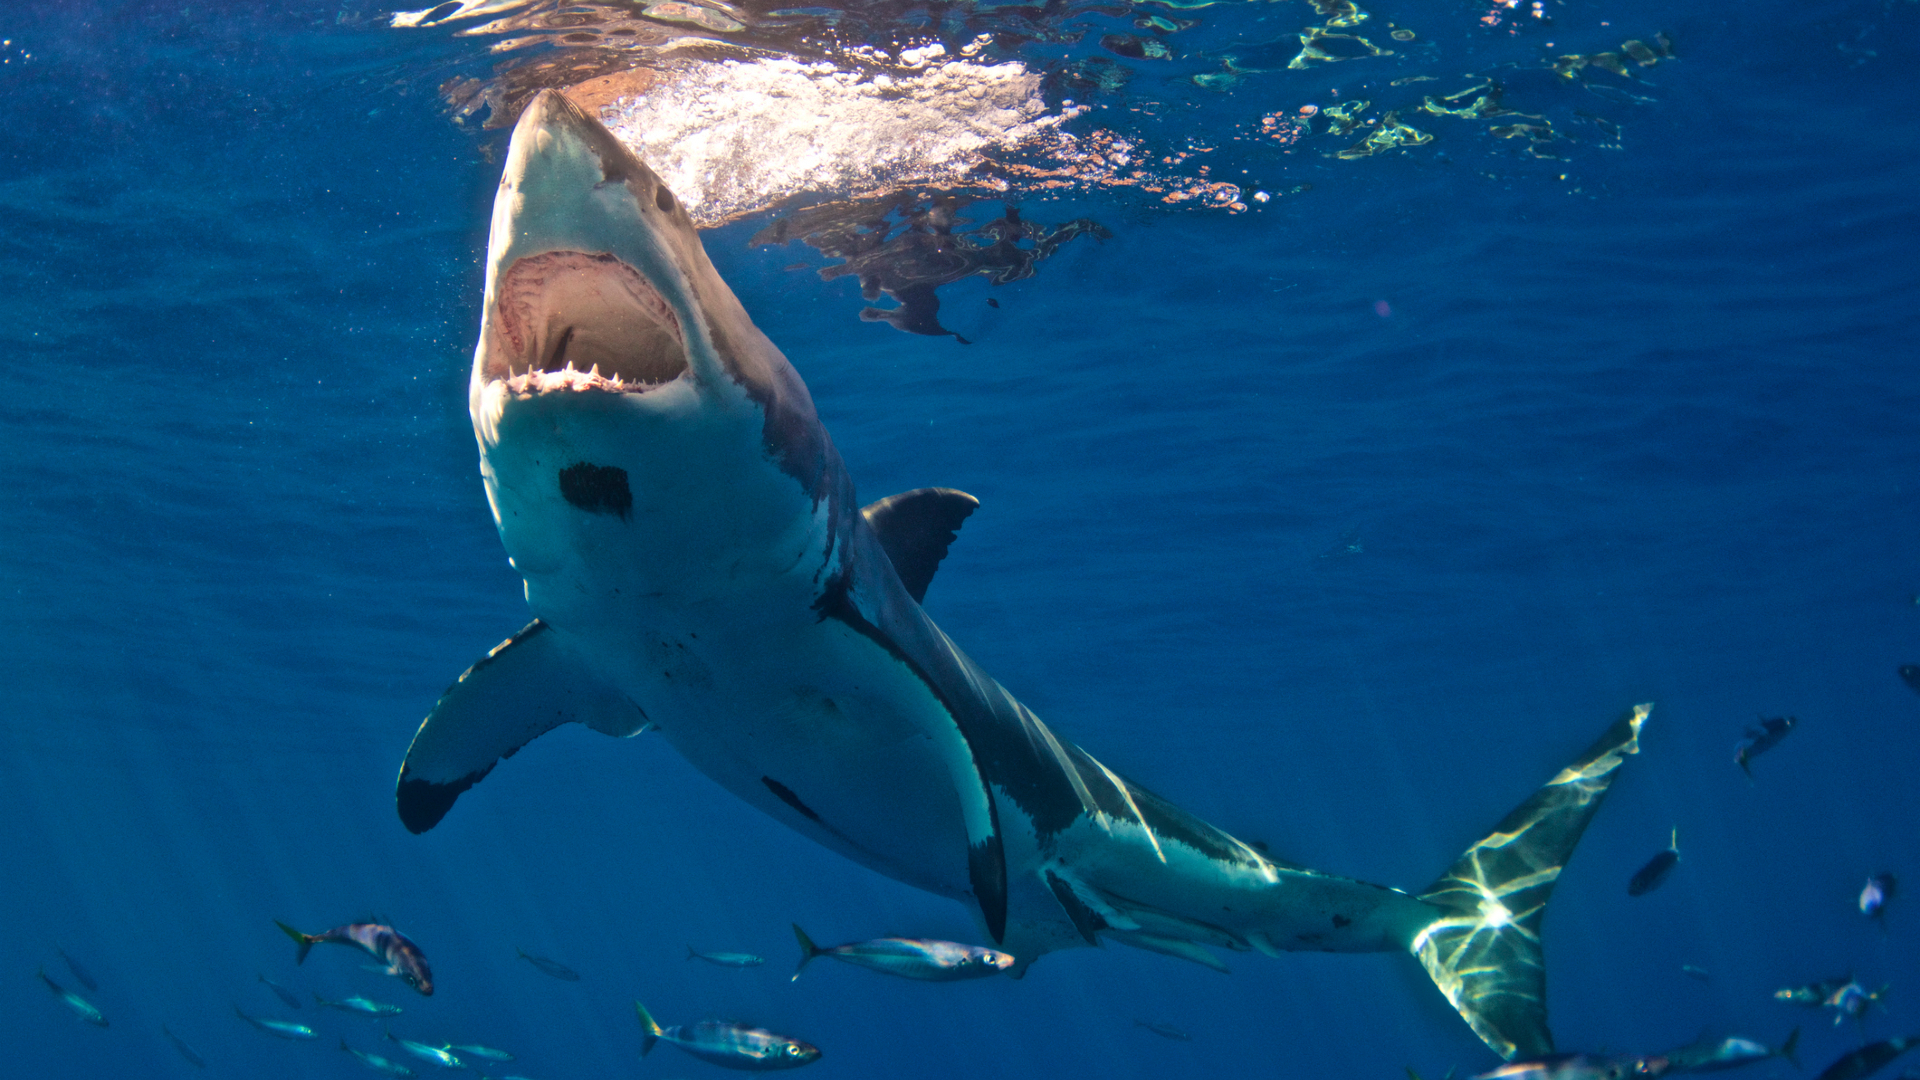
696,560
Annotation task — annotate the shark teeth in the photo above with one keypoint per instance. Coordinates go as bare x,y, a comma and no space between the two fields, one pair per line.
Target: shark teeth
535,383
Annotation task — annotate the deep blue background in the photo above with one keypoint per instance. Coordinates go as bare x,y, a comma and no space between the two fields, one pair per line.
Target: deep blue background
1647,433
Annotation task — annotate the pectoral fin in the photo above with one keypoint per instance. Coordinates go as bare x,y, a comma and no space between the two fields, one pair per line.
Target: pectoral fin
528,685
916,528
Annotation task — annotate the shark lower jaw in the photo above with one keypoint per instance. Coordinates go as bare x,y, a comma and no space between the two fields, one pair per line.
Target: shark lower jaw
581,322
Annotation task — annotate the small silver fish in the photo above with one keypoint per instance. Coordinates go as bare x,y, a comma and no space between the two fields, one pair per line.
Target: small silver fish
81,1006
1692,972
1879,889
910,958
1814,994
1760,738
79,973
1709,1054
188,1052
1851,1002
726,959
1572,1067
1654,873
1164,1030
728,1045
552,967
402,957
1868,1060
379,1064
365,1006
424,1052
479,1051
291,999
284,1029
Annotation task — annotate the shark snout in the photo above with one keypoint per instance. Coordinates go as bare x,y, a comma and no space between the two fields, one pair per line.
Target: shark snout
588,263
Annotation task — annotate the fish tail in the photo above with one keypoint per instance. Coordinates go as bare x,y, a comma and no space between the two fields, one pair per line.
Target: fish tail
1790,1048
1482,946
690,953
344,1046
649,1030
305,941
808,950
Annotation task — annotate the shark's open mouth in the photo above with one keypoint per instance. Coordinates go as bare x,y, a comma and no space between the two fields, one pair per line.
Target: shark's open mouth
577,321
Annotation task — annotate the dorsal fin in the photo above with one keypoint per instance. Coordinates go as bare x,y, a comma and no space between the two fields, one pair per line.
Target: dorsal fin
915,528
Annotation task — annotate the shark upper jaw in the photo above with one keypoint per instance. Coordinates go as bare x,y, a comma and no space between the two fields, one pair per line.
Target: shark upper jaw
591,275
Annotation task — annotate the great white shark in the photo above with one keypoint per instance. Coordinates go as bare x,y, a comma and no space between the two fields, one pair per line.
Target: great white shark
696,562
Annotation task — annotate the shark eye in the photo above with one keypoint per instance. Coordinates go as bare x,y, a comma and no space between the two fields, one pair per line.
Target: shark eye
663,199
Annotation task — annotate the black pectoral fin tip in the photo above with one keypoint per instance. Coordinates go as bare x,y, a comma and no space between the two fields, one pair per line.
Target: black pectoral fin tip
422,803
987,871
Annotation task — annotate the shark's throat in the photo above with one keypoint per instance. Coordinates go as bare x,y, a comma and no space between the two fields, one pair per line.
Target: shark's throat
563,311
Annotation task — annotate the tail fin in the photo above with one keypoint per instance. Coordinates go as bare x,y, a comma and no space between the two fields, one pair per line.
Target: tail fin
1788,1049
808,950
690,953
305,941
649,1030
1484,951
344,1046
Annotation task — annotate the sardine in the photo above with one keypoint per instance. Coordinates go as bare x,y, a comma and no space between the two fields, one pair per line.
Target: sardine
552,967
365,1006
1761,737
1879,889
730,1046
291,999
1714,1055
284,1029
479,1051
910,958
726,959
435,1054
1693,972
79,973
377,1063
81,1006
188,1052
1654,874
1868,1059
402,957
1164,1030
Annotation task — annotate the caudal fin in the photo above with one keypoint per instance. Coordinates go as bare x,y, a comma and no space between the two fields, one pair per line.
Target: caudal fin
305,941
1789,1048
650,1031
808,950
1483,951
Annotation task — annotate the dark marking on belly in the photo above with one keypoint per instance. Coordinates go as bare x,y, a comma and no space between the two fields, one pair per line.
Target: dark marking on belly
787,796
597,489
1341,922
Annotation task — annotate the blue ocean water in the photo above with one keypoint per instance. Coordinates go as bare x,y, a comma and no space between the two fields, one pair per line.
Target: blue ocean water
1343,522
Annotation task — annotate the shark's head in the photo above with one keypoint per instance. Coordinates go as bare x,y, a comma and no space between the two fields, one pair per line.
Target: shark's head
597,283
615,369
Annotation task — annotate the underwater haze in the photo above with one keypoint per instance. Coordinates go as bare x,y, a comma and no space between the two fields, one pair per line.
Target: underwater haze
1342,517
